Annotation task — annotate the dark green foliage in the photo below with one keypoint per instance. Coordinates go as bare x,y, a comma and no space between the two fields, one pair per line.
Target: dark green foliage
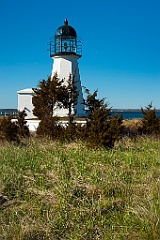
97,127
92,103
69,100
51,94
48,127
81,132
69,97
73,132
103,130
151,123
69,132
47,96
12,130
8,129
115,129
23,129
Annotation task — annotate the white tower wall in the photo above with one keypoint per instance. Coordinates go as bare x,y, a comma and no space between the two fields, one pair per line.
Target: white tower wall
64,65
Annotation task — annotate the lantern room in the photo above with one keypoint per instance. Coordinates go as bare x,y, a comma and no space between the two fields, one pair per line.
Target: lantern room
65,42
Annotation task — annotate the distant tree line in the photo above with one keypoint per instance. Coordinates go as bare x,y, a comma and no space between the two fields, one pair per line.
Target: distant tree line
101,129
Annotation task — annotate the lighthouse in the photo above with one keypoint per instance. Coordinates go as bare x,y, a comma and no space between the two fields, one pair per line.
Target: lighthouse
65,50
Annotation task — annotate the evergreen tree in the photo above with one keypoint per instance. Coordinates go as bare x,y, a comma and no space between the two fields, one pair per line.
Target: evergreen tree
51,94
9,129
47,97
49,128
92,102
151,123
103,130
69,100
70,97
23,129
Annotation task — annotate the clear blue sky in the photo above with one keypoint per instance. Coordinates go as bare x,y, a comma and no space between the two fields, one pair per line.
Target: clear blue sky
121,47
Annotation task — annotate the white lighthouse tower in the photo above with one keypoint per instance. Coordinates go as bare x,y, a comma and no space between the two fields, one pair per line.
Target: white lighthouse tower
66,49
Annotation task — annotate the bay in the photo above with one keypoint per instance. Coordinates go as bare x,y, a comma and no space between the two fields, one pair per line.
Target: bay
130,114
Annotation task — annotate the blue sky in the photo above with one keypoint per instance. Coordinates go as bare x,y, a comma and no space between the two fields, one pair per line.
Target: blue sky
121,47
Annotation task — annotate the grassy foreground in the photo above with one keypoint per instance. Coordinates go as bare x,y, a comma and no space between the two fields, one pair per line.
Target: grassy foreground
54,191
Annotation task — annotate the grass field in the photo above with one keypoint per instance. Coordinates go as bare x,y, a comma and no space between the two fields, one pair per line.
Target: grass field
55,191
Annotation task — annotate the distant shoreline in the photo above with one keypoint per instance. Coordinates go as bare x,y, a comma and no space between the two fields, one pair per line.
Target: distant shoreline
125,113
130,110
112,110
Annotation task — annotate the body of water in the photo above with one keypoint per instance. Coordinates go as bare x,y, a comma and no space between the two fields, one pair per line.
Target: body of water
126,113
7,112
130,114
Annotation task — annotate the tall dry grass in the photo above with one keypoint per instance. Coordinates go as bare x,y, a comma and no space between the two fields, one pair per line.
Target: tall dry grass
54,191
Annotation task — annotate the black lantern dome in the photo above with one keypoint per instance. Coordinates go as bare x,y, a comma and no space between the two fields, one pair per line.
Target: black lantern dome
65,41
66,30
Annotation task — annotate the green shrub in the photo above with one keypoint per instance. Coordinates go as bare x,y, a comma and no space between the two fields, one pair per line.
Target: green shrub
13,131
151,123
73,132
23,130
8,129
103,130
50,95
48,128
47,95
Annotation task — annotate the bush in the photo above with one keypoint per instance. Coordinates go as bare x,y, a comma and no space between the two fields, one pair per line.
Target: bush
8,130
47,95
12,131
52,94
23,130
73,132
103,130
151,123
48,127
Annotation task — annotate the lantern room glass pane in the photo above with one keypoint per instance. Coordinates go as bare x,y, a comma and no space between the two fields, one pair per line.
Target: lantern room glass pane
57,45
65,44
68,45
